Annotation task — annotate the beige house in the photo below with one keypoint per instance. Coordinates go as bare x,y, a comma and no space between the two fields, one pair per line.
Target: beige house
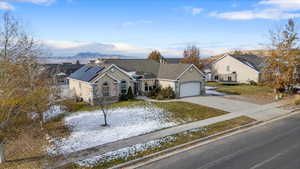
114,77
237,68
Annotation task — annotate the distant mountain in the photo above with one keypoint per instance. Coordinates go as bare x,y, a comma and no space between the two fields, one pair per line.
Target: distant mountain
83,57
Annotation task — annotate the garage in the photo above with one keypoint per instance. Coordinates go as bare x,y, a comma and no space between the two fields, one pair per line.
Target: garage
190,89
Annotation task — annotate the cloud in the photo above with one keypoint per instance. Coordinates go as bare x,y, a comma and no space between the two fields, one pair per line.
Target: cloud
41,2
135,23
6,6
268,9
192,10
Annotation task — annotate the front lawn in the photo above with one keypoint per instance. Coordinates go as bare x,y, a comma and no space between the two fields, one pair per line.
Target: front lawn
241,89
126,119
256,94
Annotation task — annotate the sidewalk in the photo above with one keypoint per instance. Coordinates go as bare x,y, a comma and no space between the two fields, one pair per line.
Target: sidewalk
258,112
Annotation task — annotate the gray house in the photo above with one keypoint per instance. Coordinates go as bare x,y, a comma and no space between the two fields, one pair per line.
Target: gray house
113,77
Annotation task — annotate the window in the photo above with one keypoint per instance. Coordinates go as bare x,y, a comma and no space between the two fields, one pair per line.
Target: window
146,87
228,68
105,89
123,87
150,88
217,77
229,78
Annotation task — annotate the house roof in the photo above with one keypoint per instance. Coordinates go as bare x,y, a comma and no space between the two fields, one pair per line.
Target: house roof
252,61
136,65
149,69
86,73
171,71
173,60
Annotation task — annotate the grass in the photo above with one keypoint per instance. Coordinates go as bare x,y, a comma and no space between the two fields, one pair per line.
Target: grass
242,89
188,112
181,138
182,112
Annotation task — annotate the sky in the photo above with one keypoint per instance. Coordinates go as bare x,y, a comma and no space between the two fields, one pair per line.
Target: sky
135,27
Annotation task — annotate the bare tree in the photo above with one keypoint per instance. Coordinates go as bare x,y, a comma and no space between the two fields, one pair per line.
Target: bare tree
24,86
102,104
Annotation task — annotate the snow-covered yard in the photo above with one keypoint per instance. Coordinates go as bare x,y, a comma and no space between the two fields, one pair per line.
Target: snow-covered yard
209,90
87,130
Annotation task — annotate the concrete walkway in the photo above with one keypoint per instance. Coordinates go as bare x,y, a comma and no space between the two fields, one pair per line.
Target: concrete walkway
258,112
236,109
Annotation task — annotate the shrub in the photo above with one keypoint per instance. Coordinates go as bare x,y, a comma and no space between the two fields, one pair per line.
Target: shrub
123,97
130,94
252,83
72,105
159,97
168,93
297,100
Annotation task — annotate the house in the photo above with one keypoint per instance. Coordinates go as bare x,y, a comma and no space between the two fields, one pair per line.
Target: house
114,77
60,72
232,68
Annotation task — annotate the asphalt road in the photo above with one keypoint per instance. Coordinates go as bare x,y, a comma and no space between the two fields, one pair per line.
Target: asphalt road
273,146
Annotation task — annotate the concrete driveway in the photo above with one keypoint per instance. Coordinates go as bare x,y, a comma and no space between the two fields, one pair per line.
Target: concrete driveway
258,112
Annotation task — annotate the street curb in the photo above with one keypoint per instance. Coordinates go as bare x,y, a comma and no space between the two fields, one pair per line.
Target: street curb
179,147
197,143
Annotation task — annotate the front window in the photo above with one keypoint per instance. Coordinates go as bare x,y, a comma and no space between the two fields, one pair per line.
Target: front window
228,68
123,87
105,89
146,87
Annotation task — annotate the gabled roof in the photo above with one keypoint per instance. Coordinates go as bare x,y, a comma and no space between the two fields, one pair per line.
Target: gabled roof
253,61
86,73
135,65
171,71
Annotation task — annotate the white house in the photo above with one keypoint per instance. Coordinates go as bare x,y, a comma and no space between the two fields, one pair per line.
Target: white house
237,68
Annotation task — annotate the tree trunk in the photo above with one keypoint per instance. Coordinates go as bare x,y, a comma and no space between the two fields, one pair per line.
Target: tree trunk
2,155
105,119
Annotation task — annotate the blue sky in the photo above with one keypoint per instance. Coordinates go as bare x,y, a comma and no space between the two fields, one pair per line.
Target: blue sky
135,27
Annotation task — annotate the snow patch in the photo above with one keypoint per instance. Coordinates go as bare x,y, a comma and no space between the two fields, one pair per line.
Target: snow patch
54,111
126,152
87,130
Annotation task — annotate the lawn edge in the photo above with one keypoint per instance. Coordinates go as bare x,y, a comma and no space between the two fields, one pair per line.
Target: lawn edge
184,147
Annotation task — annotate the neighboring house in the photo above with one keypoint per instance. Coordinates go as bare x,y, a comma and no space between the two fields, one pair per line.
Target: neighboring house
237,68
113,77
60,72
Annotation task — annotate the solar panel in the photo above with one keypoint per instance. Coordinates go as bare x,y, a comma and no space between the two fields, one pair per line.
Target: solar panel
86,73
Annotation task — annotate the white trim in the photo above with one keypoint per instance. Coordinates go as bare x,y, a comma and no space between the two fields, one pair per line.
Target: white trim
192,65
108,68
168,80
123,71
99,78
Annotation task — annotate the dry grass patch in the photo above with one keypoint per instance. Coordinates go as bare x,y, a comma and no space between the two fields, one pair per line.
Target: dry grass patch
26,149
188,112
253,93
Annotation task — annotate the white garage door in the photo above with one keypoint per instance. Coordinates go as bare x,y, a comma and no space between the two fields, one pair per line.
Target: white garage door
190,89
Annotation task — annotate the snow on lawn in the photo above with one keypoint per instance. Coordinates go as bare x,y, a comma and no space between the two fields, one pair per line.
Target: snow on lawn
54,111
126,152
212,91
87,130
